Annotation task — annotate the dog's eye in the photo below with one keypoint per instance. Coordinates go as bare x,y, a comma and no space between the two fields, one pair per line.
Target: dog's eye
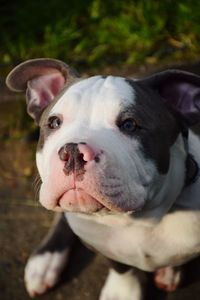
129,125
54,122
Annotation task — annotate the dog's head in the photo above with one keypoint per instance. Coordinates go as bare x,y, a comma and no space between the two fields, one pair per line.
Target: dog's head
107,142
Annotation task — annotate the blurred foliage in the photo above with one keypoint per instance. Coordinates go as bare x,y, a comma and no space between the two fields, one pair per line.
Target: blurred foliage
14,123
96,33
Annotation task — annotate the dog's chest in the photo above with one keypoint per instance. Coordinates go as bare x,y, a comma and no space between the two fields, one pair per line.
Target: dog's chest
118,238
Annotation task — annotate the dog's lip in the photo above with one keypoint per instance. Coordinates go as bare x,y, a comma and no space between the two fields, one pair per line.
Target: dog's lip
78,200
98,205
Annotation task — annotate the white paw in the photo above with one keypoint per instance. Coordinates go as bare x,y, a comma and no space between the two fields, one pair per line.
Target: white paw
168,278
42,271
124,286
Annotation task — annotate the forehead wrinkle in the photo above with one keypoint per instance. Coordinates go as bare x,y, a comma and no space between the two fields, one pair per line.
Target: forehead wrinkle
97,98
74,94
112,93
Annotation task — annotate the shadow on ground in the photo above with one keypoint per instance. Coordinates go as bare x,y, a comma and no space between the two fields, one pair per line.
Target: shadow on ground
23,223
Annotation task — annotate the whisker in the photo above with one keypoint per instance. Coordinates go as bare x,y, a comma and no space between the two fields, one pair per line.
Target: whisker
36,185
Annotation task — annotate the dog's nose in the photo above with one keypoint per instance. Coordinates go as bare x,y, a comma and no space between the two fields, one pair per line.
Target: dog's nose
86,151
75,156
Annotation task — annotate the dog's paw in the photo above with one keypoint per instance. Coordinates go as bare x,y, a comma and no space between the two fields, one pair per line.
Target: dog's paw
168,278
42,271
124,286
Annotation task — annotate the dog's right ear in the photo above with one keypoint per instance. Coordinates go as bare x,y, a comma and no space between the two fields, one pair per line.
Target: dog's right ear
42,79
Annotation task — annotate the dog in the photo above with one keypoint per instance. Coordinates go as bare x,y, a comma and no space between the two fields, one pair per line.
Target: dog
119,164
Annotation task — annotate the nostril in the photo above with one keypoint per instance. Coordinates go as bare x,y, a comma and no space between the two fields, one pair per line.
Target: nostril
64,154
81,157
97,159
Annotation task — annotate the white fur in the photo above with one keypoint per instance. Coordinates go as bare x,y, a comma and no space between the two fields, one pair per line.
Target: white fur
124,286
143,243
97,95
43,270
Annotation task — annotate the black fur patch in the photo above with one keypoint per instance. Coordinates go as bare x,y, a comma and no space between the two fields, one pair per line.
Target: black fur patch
158,128
59,238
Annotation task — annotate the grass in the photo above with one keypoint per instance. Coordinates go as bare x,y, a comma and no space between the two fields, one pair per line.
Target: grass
95,33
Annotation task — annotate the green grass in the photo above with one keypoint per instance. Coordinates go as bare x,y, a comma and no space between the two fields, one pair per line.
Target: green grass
93,33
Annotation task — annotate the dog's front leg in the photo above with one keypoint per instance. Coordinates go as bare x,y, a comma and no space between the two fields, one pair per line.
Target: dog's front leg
123,283
46,263
175,240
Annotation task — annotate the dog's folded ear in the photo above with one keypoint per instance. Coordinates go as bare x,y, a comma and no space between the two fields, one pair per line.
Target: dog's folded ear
42,79
180,92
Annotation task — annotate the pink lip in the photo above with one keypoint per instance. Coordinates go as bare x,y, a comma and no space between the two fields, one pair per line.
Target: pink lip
77,200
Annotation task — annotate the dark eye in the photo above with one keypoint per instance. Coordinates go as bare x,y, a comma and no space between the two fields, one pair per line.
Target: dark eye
54,122
129,125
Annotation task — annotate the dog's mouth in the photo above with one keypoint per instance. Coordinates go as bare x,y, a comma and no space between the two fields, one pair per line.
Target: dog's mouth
88,196
77,200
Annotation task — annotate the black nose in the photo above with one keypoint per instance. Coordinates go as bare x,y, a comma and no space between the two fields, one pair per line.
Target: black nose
73,159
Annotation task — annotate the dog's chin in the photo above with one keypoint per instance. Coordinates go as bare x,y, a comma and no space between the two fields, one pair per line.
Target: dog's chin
79,201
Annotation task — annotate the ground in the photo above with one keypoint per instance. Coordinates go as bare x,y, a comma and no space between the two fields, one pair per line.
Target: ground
23,223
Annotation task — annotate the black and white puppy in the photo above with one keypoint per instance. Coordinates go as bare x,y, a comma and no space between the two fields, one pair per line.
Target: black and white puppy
116,161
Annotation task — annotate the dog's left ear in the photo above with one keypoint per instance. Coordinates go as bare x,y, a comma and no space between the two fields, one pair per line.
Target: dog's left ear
180,92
